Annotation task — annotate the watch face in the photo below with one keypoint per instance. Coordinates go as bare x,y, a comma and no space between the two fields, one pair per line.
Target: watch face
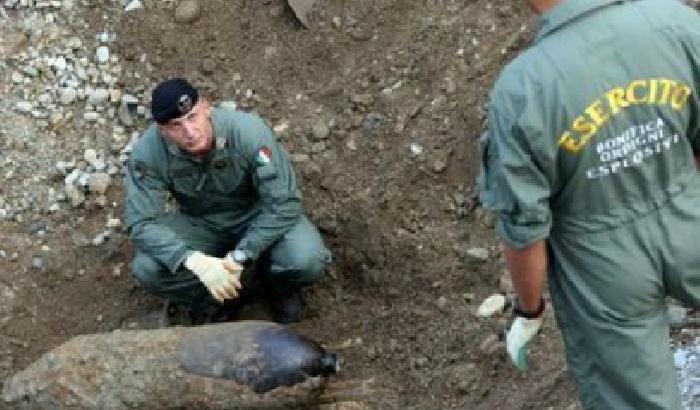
239,256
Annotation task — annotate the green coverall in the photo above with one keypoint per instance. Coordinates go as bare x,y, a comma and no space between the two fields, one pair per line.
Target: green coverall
242,195
591,143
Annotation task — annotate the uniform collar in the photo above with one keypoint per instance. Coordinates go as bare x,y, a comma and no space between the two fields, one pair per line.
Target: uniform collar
567,11
220,141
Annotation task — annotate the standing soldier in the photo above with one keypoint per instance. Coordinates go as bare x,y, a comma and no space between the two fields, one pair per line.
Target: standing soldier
589,166
236,196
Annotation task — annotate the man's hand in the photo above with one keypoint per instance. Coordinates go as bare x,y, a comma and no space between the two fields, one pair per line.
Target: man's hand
220,279
524,328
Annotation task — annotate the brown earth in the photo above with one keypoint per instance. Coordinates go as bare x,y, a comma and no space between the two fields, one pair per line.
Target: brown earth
399,301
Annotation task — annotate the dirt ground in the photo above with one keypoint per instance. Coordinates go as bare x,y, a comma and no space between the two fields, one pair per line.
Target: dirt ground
400,86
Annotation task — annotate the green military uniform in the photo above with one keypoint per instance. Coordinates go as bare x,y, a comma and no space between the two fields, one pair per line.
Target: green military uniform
591,145
243,194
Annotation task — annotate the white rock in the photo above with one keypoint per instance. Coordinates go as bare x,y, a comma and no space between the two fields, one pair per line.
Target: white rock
100,238
134,5
98,97
80,73
99,182
114,223
280,128
17,78
90,155
103,37
24,106
74,43
68,95
115,95
492,305
64,167
91,116
188,11
40,115
102,54
416,149
59,63
480,254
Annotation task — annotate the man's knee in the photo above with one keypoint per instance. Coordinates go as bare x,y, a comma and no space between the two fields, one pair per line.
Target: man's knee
302,265
312,264
147,272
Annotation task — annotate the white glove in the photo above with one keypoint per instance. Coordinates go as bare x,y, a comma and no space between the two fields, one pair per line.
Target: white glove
221,280
518,337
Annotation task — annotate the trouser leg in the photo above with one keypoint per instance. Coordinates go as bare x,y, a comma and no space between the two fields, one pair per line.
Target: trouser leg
680,247
298,259
608,293
182,286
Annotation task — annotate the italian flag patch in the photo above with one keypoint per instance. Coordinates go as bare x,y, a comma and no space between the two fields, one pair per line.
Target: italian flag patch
264,156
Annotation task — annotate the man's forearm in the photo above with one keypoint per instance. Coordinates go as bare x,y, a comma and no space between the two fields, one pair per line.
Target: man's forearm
528,267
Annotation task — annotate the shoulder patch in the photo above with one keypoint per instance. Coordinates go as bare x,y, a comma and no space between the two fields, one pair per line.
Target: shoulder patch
263,156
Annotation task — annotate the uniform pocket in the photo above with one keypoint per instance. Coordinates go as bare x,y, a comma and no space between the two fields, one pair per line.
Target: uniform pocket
226,181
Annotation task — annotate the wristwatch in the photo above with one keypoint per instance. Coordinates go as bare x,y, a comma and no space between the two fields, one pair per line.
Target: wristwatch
239,256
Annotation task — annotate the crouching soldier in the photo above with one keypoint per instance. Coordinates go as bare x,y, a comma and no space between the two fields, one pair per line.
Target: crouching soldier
238,204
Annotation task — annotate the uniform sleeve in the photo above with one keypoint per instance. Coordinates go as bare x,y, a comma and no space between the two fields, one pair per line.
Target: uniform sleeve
144,207
512,182
276,186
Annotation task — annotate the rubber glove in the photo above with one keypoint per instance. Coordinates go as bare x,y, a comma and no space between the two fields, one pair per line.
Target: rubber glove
221,281
524,328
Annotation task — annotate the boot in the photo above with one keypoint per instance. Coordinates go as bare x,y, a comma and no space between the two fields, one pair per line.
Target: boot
175,314
285,306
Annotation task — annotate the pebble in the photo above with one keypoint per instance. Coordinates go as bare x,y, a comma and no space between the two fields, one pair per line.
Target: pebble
37,262
98,183
24,107
133,5
188,11
415,149
320,130
68,95
492,305
102,54
98,97
478,254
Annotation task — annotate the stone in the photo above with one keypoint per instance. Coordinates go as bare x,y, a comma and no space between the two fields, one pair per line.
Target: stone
478,254
133,5
492,305
102,54
187,12
24,107
98,97
320,130
67,95
99,182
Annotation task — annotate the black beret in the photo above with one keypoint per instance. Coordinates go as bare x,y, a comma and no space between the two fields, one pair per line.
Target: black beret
171,99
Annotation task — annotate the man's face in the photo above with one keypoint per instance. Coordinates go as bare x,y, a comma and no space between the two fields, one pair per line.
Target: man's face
193,131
